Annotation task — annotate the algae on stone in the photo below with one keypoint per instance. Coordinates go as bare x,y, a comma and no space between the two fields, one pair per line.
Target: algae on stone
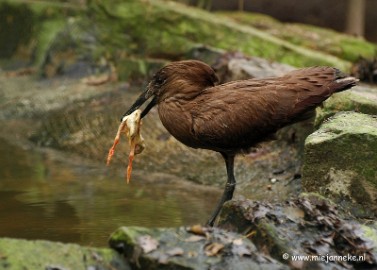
344,46
40,254
359,99
112,32
184,248
340,159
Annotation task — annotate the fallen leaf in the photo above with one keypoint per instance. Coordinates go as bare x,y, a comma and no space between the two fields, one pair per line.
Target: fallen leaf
198,229
177,251
147,243
195,238
213,249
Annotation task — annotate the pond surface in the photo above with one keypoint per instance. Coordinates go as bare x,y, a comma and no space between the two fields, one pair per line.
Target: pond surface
45,194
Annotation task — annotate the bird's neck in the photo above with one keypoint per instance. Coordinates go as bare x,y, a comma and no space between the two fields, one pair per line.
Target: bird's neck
182,90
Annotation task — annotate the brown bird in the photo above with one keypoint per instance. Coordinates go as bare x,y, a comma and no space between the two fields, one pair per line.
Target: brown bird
233,117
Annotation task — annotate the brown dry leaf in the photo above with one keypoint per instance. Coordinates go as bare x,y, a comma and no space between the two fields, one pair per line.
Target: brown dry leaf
198,229
195,238
213,249
177,251
147,243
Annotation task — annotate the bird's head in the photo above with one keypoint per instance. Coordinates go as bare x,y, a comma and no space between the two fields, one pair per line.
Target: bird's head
182,79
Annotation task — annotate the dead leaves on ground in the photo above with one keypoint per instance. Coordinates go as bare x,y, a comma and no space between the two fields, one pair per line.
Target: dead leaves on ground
204,241
213,249
198,229
338,235
217,242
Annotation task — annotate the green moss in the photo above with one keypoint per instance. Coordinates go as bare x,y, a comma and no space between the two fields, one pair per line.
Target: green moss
370,233
343,152
329,41
47,31
132,69
23,254
168,30
128,235
346,101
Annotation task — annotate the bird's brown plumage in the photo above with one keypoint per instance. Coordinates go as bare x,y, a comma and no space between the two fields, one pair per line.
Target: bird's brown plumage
235,116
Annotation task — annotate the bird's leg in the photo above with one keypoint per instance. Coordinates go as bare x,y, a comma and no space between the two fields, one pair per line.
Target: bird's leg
229,187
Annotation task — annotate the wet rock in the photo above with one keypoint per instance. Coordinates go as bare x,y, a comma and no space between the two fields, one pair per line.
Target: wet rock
310,225
194,247
71,52
26,254
236,66
340,161
361,98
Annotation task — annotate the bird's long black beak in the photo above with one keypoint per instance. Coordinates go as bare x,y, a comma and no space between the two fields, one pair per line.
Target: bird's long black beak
140,101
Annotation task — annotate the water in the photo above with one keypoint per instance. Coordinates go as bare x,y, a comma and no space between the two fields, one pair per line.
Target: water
45,194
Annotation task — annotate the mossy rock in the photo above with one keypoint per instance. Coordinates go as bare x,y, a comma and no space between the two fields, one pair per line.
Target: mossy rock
344,46
309,225
193,247
113,32
109,33
39,254
340,160
177,28
139,68
29,28
361,99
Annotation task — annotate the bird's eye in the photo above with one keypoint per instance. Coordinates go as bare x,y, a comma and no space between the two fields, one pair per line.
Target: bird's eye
159,80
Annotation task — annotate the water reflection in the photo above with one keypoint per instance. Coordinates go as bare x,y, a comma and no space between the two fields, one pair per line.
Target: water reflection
36,220
48,195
